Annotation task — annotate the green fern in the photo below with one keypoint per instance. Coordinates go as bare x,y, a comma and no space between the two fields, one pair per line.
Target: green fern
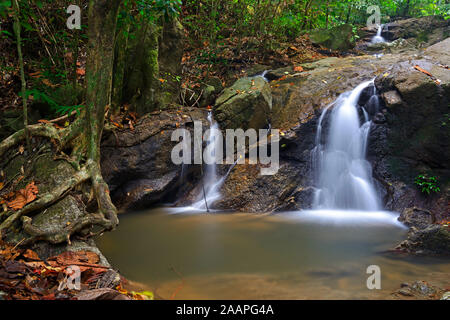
43,97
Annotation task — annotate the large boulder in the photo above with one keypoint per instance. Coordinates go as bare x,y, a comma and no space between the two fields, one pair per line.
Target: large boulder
247,104
416,217
246,190
430,30
337,38
414,139
137,163
434,239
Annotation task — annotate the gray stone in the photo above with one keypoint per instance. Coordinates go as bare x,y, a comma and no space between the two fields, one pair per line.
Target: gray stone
247,104
137,164
391,98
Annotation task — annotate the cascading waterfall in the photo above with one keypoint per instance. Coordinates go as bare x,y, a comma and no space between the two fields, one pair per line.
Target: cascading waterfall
343,175
263,75
211,180
378,38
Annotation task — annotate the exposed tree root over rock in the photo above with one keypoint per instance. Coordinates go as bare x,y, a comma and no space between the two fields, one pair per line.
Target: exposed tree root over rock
81,178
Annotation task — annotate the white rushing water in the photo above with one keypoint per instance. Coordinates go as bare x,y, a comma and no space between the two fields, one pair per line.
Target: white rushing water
212,181
343,175
378,38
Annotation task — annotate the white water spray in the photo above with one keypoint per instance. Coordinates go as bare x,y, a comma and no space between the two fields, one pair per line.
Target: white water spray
343,175
378,38
212,182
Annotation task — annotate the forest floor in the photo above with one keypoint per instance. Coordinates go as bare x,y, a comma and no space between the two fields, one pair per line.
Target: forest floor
234,57
24,276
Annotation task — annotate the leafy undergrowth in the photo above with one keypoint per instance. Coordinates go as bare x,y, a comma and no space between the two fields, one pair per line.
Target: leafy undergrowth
230,59
24,276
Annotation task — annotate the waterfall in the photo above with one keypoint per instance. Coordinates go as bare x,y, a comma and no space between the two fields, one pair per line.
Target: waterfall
378,38
343,175
263,75
211,180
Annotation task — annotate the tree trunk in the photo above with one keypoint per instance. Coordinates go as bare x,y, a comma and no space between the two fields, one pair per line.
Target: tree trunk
17,30
119,68
406,12
348,12
99,68
83,138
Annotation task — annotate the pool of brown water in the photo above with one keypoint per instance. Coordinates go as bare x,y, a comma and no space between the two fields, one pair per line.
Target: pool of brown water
192,255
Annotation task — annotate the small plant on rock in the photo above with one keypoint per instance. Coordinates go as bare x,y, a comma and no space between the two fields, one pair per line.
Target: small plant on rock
427,184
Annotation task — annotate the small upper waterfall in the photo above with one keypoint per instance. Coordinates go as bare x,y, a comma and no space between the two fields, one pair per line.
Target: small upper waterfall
343,175
378,38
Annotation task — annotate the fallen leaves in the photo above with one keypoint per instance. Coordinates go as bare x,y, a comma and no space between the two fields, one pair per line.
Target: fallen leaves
31,255
23,196
298,69
437,81
48,83
423,70
81,72
24,276
70,257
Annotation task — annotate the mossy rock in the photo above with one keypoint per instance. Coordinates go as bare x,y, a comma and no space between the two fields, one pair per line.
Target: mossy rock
247,104
337,38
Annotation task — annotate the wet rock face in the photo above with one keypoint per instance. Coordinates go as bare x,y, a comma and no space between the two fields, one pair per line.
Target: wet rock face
413,140
298,101
246,190
137,164
434,239
416,217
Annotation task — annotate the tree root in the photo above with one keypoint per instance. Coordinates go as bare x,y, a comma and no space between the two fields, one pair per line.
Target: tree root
61,136
40,130
64,235
48,198
101,190
105,217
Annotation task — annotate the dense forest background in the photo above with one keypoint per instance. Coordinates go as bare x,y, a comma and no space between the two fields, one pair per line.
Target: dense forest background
217,34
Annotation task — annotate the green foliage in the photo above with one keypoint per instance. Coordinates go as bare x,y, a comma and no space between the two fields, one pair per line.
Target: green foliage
213,19
40,96
169,8
427,184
